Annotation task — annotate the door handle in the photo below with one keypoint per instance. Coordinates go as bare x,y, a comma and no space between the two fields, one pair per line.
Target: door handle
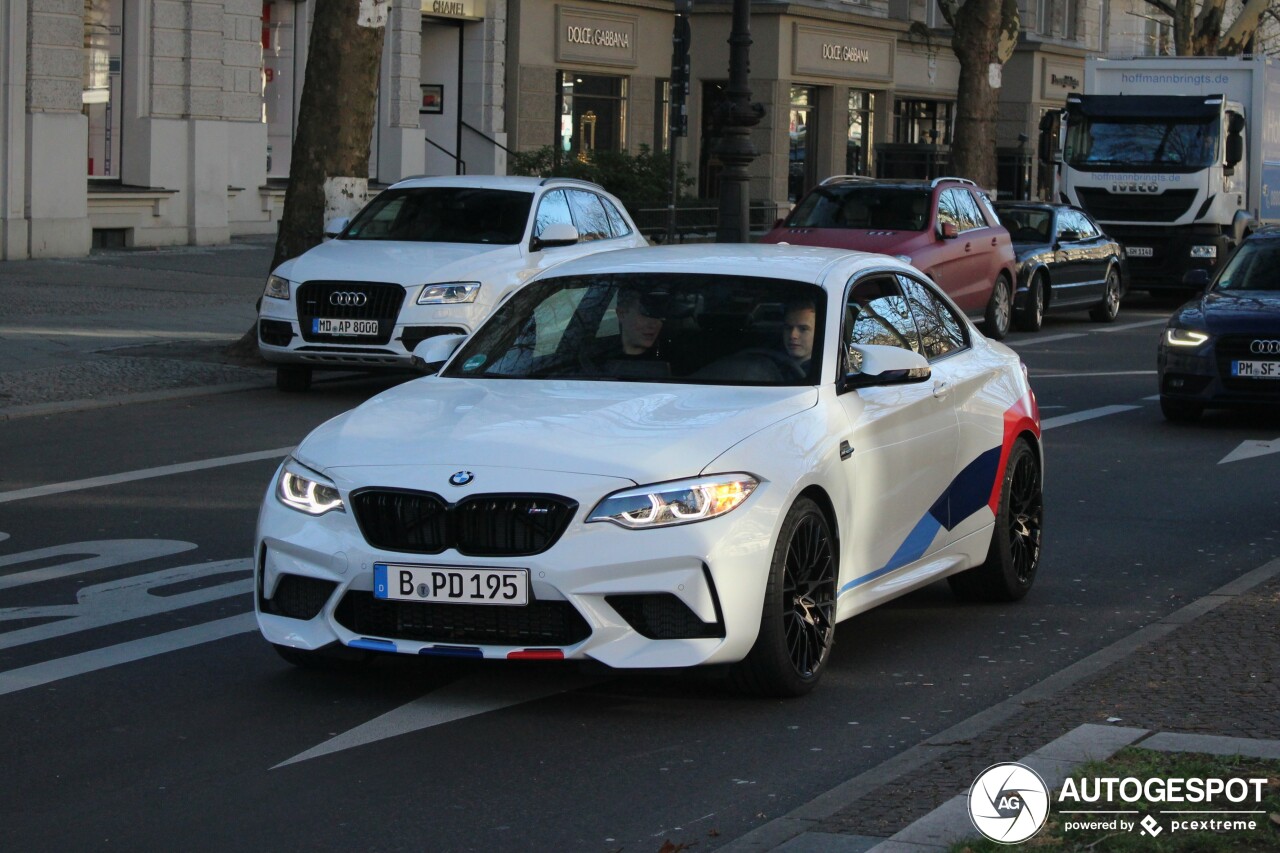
995,241
941,388
968,246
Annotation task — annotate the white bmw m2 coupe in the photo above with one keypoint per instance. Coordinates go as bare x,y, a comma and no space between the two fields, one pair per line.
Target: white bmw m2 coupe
664,457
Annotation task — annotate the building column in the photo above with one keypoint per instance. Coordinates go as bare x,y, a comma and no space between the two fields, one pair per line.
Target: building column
14,230
401,152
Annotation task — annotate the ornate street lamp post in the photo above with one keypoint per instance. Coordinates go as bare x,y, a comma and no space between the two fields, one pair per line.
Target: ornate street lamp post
736,117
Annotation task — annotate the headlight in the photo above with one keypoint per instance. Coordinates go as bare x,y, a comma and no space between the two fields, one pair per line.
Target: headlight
1185,337
452,293
1209,252
302,489
678,502
277,287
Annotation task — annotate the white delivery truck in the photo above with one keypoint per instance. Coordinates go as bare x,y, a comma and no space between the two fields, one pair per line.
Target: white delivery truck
1177,157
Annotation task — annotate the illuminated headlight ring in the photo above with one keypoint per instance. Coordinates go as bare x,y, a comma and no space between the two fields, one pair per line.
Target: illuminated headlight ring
676,502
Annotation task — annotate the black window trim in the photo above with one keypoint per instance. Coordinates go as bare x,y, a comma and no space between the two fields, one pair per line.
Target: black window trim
937,293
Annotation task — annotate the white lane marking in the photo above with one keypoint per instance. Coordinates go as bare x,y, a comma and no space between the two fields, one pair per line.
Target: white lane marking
144,474
1086,415
1127,326
55,670
124,599
1103,373
1252,450
106,553
1047,339
3,536
467,697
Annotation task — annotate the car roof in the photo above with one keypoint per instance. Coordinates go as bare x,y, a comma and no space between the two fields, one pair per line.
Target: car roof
1266,232
895,183
494,182
758,260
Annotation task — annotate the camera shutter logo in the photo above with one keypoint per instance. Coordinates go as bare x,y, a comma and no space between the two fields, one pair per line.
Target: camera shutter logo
1008,802
348,298
1261,347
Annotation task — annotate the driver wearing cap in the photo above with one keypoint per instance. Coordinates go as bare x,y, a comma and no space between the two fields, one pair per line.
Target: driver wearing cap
640,319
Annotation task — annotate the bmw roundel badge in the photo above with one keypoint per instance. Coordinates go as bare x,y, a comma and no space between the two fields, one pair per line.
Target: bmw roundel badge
461,478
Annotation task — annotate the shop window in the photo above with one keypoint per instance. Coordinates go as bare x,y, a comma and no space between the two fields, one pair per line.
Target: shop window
101,97
278,81
858,151
593,114
918,122
803,130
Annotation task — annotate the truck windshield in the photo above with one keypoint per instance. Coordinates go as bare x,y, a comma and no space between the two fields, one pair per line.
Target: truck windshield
1145,144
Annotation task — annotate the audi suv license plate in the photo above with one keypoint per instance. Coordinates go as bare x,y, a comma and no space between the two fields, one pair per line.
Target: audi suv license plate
1256,369
323,326
450,585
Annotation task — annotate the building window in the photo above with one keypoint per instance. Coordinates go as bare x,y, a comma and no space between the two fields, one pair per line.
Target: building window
593,114
922,122
858,147
278,80
1157,36
662,115
103,48
803,129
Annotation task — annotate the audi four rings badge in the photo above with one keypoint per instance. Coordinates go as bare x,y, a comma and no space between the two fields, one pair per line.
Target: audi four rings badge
1261,347
461,478
348,298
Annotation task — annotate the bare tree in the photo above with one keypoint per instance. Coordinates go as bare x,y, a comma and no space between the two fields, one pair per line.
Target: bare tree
984,34
1200,27
329,169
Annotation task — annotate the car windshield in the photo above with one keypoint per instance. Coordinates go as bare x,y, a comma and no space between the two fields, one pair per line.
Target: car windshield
1027,224
879,207
653,327
1256,266
1130,143
443,215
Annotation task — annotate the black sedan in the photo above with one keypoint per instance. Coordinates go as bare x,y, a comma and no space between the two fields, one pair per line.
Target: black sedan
1223,347
1065,263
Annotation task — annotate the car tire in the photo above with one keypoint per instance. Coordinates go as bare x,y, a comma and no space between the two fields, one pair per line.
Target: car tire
1109,308
1180,411
1014,554
999,310
293,378
797,622
330,659
1031,317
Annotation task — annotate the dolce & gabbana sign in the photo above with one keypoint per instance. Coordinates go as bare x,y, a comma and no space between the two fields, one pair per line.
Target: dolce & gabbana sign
836,52
600,38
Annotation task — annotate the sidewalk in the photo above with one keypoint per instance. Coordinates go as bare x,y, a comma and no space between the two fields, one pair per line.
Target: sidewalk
1203,675
75,333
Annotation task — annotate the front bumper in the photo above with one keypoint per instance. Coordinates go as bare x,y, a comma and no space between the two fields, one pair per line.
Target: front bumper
1204,375
1170,253
673,597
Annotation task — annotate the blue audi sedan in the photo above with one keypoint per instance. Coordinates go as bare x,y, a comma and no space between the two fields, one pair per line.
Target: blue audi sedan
1222,349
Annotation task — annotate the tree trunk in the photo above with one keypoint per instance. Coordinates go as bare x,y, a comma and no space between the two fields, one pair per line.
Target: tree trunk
984,35
329,170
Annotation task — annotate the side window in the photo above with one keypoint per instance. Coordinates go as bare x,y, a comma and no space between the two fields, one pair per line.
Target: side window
617,222
1088,231
984,202
552,210
970,216
942,332
949,209
876,313
588,213
1069,220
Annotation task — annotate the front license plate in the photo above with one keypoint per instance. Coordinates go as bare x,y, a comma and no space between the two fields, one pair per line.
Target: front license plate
1140,252
324,326
450,585
1256,369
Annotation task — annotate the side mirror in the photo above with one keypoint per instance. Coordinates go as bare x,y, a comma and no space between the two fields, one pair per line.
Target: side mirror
334,227
1197,279
558,234
1067,235
1235,149
949,231
429,354
883,365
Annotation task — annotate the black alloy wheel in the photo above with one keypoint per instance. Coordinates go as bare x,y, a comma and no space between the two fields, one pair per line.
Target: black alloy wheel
999,310
1013,557
1031,317
797,624
1108,309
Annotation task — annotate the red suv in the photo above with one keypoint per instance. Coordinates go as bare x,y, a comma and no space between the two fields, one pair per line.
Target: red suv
946,228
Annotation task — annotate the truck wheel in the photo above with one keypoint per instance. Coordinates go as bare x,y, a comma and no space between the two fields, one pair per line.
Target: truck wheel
999,310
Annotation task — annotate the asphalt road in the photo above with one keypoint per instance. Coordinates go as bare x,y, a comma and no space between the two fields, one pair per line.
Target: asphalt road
143,711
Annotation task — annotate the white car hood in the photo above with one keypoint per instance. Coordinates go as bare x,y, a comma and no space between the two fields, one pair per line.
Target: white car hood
398,262
642,432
